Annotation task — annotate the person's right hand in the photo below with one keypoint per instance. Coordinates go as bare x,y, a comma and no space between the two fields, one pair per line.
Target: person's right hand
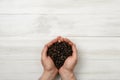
66,71
50,71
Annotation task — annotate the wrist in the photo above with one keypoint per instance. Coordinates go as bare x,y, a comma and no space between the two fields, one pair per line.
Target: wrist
67,75
48,75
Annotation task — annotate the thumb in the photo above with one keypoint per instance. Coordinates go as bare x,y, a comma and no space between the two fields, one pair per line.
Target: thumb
74,51
44,52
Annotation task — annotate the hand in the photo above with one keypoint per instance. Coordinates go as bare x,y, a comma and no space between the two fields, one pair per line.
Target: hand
50,71
66,71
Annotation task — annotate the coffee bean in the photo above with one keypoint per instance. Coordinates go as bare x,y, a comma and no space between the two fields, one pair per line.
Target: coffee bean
59,52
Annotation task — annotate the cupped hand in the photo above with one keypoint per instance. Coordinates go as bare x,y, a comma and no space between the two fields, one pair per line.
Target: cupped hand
50,71
69,64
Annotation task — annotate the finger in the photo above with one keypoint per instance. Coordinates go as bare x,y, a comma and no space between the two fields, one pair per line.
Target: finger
60,39
53,41
74,55
74,49
67,40
44,52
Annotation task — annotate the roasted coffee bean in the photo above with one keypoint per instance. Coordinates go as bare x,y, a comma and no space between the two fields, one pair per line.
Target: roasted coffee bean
59,52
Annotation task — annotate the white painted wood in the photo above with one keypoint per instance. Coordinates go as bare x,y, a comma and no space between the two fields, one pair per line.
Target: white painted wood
67,25
59,7
98,58
26,25
66,17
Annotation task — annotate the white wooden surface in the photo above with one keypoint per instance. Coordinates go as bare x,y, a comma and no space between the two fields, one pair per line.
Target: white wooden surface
26,25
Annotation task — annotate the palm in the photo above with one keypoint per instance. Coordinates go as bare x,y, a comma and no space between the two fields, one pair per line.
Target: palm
69,63
48,64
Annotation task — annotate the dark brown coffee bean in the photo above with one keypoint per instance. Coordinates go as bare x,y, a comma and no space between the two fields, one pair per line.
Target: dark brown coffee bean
59,52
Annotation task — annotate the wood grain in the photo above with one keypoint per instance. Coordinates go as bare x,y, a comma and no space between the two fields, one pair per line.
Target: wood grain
27,25
66,25
96,57
60,7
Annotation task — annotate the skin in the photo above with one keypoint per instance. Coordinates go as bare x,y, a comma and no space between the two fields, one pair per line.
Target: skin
50,71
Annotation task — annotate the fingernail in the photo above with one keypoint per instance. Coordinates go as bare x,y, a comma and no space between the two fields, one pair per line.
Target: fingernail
59,41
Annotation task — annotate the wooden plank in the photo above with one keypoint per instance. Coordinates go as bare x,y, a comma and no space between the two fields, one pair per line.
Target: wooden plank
59,7
86,66
98,57
26,25
67,25
91,70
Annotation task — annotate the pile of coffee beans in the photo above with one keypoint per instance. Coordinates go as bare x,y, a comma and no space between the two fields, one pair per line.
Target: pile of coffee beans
59,52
